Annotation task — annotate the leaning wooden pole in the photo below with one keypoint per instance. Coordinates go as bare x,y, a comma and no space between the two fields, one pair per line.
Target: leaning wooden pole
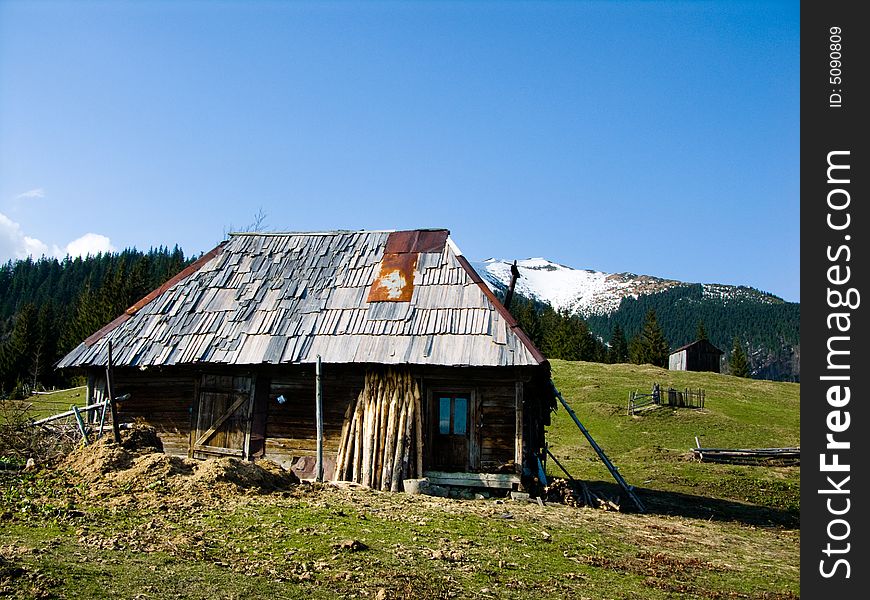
116,430
629,490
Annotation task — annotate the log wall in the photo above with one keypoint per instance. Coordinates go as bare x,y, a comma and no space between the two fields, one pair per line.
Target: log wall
285,432
290,427
163,400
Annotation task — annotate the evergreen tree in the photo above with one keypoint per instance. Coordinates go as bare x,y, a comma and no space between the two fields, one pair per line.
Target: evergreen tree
19,349
45,347
47,307
702,332
618,346
738,365
526,314
636,350
654,346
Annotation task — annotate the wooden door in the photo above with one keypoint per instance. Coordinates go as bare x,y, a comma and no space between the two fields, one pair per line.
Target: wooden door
451,431
223,423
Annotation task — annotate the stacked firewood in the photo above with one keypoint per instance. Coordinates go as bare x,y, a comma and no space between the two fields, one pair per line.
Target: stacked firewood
382,436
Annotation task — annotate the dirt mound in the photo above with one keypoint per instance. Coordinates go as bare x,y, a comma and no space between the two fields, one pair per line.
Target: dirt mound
104,456
262,475
138,466
155,467
94,461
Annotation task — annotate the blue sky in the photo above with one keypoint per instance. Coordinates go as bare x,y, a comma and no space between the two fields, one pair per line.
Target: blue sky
654,137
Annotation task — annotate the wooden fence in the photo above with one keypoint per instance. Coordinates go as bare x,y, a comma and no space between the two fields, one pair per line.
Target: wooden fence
685,398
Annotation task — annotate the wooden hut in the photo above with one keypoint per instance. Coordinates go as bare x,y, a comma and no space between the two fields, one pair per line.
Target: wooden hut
424,372
700,355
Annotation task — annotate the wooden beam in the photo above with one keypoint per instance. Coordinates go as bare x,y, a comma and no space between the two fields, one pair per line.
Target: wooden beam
81,424
218,450
474,426
318,409
246,445
110,391
492,480
518,442
68,413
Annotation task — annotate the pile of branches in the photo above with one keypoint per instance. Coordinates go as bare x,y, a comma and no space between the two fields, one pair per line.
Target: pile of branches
20,440
382,436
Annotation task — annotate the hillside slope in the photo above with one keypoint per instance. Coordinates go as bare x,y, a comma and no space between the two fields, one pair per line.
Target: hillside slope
651,449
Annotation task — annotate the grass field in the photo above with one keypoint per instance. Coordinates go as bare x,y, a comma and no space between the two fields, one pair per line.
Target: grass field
650,449
45,405
713,531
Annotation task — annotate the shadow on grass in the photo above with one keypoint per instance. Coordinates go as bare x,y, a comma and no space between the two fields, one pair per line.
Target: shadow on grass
660,502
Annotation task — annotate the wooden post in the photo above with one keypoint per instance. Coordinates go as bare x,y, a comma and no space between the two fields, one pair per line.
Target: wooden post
418,428
81,424
249,424
318,466
508,297
111,392
518,442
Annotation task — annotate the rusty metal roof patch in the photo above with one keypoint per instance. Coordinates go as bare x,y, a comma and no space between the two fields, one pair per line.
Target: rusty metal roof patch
416,241
395,280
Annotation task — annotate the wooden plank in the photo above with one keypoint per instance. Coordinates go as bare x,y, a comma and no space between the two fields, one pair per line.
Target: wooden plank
318,398
474,430
494,480
111,397
249,420
518,440
217,450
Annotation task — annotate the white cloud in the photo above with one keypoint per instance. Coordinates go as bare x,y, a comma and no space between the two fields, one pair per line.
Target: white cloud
34,193
88,244
14,244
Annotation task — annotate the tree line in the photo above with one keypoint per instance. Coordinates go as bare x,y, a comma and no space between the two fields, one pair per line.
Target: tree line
48,306
759,325
566,336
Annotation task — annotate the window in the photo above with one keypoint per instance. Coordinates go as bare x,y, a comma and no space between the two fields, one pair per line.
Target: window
452,415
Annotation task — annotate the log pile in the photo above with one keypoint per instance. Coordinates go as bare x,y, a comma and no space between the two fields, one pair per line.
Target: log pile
757,456
382,435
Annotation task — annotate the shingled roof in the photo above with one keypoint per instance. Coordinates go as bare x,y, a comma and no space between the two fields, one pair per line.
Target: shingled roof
348,296
704,345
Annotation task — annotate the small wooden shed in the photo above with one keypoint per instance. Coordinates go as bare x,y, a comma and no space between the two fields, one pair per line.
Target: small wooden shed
700,355
421,363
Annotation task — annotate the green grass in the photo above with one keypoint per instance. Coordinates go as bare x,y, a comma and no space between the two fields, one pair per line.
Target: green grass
284,546
45,405
650,449
713,531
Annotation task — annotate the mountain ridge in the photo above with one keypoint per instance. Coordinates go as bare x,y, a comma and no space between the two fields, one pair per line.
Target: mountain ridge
590,292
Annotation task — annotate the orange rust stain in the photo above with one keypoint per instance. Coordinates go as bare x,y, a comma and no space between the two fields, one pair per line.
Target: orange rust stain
395,280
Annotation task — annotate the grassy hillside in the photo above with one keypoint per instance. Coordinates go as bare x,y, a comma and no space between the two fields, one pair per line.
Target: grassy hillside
45,405
651,449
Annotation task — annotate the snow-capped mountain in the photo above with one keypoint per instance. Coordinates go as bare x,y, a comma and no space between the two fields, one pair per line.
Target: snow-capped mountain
589,292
